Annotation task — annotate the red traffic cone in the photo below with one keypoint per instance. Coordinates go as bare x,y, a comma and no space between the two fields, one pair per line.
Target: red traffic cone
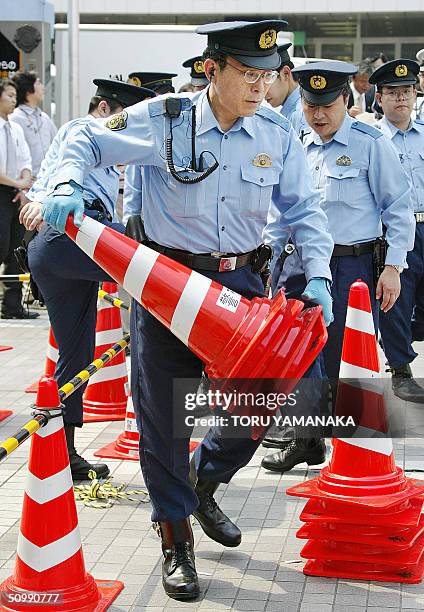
105,398
234,337
4,414
52,356
126,446
49,562
363,520
3,347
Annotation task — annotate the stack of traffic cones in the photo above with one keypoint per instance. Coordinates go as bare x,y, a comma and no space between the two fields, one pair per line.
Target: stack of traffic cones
51,361
235,337
105,398
49,563
363,519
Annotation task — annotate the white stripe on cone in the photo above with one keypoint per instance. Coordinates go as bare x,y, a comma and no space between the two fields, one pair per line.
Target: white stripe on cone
381,445
108,336
47,489
53,425
189,305
138,270
88,235
41,558
360,320
52,353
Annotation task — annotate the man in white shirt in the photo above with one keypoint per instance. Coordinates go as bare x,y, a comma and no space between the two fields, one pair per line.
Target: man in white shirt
362,93
39,129
15,175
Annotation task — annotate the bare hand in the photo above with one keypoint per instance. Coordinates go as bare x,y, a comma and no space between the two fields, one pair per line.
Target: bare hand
24,183
354,110
30,215
21,199
388,288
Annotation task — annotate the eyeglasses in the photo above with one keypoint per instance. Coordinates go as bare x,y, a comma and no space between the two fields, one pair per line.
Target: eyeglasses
395,94
252,76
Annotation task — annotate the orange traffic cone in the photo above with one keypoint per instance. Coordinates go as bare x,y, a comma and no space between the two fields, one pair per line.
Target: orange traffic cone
3,347
363,520
52,356
233,336
126,446
4,414
105,398
49,570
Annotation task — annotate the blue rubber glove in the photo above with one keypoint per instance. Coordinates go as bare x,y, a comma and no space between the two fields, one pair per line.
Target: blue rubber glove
65,199
318,291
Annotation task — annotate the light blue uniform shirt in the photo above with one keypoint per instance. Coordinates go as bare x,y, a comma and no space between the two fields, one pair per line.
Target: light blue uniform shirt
132,202
362,184
293,111
102,183
410,145
227,211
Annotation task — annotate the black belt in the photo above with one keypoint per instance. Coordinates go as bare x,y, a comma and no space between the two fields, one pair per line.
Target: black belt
222,262
341,250
419,217
98,205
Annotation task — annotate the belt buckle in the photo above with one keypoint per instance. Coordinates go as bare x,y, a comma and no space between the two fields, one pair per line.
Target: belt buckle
227,264
419,217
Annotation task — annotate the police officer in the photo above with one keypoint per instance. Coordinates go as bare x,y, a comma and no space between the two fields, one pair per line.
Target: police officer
362,185
66,277
241,155
159,82
396,94
198,77
285,92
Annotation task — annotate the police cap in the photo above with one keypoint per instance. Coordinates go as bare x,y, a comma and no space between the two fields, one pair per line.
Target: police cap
122,92
396,73
197,72
252,43
158,81
323,82
284,55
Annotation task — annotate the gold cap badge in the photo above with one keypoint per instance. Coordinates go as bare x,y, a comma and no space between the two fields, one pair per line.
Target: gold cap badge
318,82
135,81
401,70
267,39
199,66
262,160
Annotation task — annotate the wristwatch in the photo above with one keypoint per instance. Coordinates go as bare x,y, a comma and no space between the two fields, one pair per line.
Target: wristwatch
398,269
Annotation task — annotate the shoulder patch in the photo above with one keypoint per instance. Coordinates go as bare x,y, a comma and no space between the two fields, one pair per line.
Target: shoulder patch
275,117
367,129
117,122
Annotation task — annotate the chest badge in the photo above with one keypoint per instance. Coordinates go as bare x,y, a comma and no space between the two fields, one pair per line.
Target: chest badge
262,160
344,160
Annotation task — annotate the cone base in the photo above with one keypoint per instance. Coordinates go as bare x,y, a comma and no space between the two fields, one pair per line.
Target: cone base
406,514
313,489
4,414
72,600
395,537
33,388
92,418
364,571
97,412
5,348
115,450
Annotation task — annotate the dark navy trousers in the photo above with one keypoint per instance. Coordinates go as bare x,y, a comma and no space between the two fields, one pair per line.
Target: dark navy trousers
159,358
68,280
395,326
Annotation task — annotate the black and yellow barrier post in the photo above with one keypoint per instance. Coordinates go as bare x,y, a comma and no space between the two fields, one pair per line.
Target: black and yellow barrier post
112,300
9,445
18,278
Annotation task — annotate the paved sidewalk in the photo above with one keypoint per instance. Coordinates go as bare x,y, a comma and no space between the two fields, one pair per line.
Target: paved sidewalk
263,573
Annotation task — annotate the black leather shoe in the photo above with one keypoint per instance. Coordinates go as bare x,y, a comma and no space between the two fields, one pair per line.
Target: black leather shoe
278,437
22,314
298,451
179,576
405,386
80,466
212,520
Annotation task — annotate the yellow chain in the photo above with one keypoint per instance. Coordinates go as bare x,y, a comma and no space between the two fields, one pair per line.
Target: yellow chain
91,494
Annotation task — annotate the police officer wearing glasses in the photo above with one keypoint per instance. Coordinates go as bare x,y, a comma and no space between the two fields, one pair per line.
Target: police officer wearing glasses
396,94
212,162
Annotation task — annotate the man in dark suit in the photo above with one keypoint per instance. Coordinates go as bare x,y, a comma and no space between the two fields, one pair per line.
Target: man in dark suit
361,97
